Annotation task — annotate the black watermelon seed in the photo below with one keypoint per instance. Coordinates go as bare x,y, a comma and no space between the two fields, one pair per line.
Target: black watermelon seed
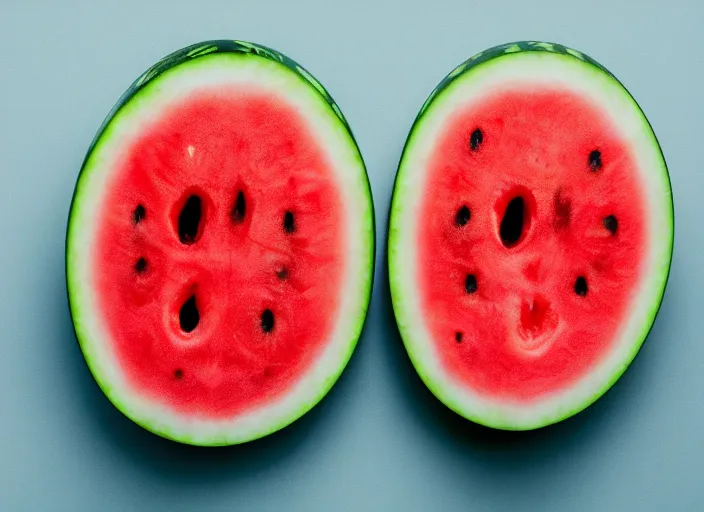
140,213
267,320
458,337
141,265
595,160
188,315
239,209
189,220
476,139
289,225
580,286
511,227
282,273
611,223
470,283
178,373
463,216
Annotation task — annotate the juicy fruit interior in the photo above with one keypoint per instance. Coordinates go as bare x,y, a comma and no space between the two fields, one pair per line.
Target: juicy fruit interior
531,241
220,253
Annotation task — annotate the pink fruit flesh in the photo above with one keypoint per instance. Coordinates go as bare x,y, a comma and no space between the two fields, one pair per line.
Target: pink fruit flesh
525,332
214,145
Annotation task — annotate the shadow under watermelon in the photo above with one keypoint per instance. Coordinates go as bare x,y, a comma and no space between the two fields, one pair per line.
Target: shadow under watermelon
515,451
161,458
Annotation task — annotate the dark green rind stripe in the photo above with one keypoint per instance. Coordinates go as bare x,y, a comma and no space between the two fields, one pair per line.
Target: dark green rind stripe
201,49
507,49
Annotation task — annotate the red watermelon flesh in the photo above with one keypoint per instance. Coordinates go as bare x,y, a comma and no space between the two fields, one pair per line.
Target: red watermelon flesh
526,310
217,313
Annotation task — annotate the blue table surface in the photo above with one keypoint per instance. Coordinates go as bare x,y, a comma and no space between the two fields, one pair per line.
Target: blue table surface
379,441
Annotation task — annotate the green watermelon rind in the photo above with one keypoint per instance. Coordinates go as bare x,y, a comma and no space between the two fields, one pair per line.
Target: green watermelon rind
130,99
395,253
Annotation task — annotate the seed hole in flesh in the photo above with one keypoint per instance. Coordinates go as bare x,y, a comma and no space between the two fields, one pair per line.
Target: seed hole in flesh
611,224
178,373
141,265
595,160
458,337
188,315
282,273
470,283
476,139
289,225
580,286
239,209
511,227
140,213
563,210
189,220
267,321
463,216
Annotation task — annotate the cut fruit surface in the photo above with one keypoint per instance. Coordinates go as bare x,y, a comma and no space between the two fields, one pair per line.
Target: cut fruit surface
220,245
530,235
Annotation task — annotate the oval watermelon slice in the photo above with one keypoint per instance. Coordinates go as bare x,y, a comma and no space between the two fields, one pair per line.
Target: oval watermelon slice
530,235
220,245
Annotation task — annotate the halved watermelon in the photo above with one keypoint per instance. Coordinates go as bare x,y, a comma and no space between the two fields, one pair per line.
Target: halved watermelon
530,235
220,245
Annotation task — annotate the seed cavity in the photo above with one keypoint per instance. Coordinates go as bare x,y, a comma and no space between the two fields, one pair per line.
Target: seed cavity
595,160
141,265
267,321
289,223
563,210
458,337
470,283
239,209
139,214
611,224
580,286
189,220
178,373
511,227
282,273
463,216
188,315
476,139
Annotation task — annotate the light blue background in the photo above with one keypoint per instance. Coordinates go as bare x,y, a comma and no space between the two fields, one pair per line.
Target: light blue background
379,441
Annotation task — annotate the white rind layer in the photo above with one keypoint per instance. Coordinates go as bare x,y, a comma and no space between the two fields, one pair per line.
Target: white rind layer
221,70
526,70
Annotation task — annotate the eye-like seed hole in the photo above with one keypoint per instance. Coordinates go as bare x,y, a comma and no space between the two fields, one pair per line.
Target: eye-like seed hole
458,337
188,315
611,224
470,283
289,225
239,209
178,373
595,160
463,216
476,139
267,320
189,220
580,286
140,213
511,227
282,273
141,265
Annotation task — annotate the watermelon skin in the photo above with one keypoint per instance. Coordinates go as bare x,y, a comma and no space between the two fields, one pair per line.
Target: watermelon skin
497,412
201,432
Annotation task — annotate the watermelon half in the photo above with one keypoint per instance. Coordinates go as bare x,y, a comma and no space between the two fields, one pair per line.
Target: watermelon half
220,245
530,235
